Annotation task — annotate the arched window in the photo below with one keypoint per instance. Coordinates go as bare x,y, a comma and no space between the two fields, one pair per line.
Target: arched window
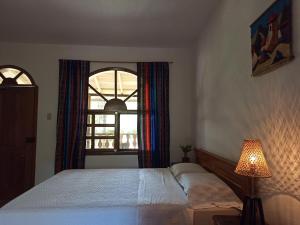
112,112
14,76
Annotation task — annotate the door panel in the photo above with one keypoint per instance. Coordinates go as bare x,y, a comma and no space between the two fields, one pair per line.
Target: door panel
18,115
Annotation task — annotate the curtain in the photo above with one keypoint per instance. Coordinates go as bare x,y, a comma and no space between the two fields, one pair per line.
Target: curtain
72,114
153,114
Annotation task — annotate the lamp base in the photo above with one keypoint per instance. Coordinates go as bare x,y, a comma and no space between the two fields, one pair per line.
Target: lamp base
185,159
252,213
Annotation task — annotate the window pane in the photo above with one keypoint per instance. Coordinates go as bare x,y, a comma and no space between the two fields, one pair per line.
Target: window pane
127,83
128,131
9,72
104,82
104,119
89,119
23,79
104,143
88,144
104,131
95,101
132,103
88,131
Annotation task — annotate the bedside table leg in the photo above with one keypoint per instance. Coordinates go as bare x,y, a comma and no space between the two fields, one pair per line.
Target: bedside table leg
261,211
245,209
252,213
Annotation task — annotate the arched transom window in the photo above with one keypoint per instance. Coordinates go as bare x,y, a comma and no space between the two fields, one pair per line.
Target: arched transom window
14,76
112,114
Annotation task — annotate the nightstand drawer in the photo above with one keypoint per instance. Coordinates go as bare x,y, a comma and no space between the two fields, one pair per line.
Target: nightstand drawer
226,220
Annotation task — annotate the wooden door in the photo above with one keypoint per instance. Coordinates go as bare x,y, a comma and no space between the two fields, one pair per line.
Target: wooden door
18,117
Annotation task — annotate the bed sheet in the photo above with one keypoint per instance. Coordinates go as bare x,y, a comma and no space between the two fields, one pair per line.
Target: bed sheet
101,197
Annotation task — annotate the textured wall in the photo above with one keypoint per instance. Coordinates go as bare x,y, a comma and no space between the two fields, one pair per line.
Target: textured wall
232,105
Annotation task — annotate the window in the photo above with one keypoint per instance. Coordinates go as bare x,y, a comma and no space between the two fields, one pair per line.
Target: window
14,76
112,112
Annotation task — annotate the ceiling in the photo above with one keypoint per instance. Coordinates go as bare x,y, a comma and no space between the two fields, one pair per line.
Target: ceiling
159,23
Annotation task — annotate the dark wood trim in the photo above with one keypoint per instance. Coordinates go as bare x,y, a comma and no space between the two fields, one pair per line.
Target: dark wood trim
112,95
18,75
128,112
224,169
117,132
21,70
101,111
116,125
132,94
101,137
101,125
93,132
17,86
110,152
97,92
2,76
115,137
116,83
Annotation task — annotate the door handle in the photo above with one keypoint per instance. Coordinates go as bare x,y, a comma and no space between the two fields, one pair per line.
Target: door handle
30,139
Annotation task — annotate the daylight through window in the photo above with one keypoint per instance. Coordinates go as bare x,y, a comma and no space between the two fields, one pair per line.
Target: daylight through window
112,112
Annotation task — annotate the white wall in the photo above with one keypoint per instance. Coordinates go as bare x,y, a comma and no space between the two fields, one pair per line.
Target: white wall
41,61
232,105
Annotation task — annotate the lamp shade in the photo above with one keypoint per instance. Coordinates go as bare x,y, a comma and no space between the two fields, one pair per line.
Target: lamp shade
252,162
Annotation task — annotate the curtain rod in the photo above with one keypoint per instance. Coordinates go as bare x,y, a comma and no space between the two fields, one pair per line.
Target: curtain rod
100,61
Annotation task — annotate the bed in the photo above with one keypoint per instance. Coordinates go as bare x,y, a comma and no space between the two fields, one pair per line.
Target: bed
116,197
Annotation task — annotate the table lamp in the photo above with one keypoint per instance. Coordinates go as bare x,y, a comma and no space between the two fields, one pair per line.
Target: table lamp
252,164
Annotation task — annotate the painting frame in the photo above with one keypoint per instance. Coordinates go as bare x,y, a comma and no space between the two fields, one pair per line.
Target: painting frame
271,38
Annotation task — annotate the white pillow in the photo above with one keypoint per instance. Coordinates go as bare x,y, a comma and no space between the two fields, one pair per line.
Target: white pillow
180,168
206,190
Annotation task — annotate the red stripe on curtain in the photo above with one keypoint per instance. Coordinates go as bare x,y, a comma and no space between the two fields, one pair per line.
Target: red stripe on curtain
147,109
153,100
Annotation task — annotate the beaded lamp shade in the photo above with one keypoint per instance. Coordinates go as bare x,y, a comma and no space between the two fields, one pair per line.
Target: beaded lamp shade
252,162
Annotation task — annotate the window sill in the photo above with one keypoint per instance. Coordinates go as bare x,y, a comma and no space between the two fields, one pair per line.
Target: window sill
109,152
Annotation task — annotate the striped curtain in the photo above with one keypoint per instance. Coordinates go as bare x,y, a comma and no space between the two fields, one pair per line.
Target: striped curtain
153,114
72,114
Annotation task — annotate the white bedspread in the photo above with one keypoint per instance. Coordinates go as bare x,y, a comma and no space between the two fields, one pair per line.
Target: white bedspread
101,197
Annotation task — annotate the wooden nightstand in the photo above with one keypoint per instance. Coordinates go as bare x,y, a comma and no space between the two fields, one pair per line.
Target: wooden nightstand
226,220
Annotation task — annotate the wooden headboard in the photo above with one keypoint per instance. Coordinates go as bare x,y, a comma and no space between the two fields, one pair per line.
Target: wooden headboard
224,169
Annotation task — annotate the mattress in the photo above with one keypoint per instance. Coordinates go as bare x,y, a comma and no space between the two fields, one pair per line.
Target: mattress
108,197
101,197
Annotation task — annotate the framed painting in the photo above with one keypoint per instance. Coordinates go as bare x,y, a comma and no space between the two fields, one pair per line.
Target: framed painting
271,38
